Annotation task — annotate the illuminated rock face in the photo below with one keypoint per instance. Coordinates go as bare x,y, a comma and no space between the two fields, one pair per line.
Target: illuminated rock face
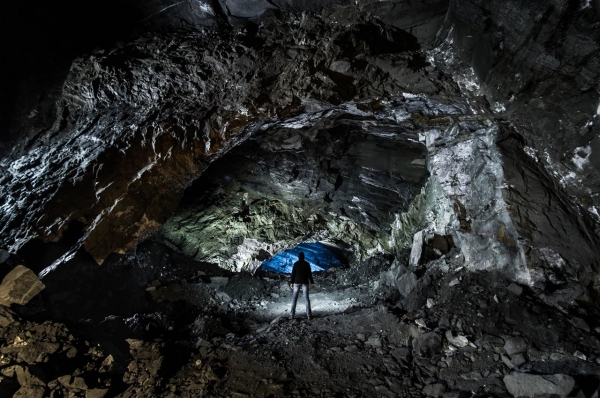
134,125
360,124
339,174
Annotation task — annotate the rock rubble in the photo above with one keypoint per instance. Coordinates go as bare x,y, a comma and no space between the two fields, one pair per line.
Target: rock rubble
485,340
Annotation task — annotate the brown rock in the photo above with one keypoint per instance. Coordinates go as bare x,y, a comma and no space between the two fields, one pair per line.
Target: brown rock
73,382
8,371
19,286
6,316
107,364
31,392
37,351
96,393
29,376
71,352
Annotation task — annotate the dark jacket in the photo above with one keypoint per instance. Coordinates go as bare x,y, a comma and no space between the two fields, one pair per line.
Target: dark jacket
301,273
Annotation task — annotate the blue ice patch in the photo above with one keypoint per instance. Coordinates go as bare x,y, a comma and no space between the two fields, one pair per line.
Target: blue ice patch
319,256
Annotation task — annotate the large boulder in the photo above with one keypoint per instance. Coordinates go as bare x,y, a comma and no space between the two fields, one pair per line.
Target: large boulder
19,286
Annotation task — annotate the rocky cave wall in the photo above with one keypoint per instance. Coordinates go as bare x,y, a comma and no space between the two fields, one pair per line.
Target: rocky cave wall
502,100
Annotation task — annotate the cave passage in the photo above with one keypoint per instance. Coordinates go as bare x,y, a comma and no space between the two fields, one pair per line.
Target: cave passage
321,258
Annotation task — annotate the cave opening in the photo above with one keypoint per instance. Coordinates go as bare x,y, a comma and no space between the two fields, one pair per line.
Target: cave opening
320,256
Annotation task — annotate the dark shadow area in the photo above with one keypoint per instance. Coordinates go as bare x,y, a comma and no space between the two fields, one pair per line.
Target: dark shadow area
38,254
373,40
41,39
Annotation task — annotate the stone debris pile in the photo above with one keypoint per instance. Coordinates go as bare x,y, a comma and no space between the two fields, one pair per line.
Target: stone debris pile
491,337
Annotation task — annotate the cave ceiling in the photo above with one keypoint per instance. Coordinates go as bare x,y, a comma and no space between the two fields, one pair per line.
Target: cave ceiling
230,129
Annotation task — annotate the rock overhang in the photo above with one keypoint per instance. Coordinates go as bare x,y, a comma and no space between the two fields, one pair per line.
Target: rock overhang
110,113
339,173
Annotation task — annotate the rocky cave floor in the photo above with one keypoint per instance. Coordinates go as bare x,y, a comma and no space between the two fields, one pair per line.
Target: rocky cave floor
207,332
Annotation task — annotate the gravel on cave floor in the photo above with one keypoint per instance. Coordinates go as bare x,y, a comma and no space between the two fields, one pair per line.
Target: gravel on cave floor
457,334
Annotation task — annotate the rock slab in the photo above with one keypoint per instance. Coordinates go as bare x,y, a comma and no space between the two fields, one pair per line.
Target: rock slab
19,286
528,385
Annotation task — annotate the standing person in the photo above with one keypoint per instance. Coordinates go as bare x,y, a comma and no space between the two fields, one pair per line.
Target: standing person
301,275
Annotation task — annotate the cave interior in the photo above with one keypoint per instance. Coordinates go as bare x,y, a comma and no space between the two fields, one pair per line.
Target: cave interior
163,163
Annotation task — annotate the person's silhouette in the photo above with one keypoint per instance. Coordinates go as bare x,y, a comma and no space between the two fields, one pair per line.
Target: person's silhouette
301,275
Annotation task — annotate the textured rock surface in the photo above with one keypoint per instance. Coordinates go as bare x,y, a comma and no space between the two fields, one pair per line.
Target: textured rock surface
540,61
329,175
135,124
19,286
473,148
519,384
233,338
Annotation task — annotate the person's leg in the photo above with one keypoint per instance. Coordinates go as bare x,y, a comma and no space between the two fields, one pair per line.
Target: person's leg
295,299
307,301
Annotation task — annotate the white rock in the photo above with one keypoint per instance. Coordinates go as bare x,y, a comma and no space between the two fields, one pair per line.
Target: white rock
458,341
19,286
420,322
454,282
417,249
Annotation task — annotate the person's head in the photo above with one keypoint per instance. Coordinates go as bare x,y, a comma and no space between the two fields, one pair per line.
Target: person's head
301,256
